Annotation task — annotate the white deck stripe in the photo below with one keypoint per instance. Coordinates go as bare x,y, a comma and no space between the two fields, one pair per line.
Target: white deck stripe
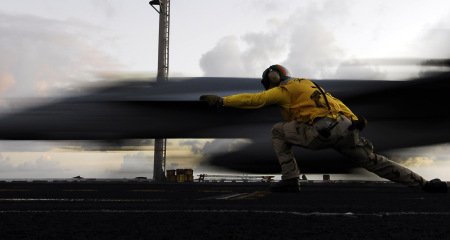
76,200
319,214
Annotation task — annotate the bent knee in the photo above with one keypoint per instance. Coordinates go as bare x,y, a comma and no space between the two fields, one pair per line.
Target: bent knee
367,146
277,129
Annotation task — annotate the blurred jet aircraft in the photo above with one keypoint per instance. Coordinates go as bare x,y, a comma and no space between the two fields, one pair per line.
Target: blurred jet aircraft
400,113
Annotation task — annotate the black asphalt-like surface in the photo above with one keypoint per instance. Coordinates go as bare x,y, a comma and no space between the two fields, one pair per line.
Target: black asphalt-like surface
143,210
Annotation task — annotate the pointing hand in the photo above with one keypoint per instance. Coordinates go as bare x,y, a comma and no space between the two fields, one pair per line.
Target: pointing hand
212,100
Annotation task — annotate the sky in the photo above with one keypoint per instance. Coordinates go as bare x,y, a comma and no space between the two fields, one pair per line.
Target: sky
49,46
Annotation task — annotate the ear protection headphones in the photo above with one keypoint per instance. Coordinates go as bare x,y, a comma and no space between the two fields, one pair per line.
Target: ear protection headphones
274,75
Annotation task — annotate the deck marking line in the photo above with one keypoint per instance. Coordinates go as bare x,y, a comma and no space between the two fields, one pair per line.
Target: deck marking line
76,200
319,214
223,196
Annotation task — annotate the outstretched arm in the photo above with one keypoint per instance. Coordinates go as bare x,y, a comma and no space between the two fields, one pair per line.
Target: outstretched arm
274,96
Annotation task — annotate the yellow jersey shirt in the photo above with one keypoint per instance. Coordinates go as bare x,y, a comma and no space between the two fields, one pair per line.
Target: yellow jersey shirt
299,99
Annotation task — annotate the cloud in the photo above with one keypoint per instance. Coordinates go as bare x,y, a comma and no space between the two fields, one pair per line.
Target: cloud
200,150
424,156
314,51
223,59
429,161
220,145
244,56
27,146
173,166
303,42
5,163
105,6
416,161
134,165
39,55
434,43
324,39
195,144
111,145
42,164
215,146
358,69
6,81
439,152
81,145
41,167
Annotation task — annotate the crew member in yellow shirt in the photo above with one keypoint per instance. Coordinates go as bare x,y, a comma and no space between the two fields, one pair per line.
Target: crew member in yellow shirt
316,120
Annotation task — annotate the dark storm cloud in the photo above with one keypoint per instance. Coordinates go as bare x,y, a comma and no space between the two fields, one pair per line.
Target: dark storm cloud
435,43
196,145
220,145
215,146
45,146
117,145
27,146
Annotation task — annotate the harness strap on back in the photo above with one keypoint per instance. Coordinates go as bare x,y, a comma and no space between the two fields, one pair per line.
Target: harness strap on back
323,93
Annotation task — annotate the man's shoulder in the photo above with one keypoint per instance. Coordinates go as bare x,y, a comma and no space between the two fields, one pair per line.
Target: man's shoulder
294,81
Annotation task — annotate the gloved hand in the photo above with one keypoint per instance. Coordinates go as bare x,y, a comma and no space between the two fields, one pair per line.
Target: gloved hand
359,124
213,100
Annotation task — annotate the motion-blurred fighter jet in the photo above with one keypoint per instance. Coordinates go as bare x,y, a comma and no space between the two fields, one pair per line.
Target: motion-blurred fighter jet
400,114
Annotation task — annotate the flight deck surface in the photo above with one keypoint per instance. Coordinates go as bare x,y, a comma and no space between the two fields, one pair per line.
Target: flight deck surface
145,210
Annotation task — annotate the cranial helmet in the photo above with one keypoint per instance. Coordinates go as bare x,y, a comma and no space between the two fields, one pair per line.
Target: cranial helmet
274,75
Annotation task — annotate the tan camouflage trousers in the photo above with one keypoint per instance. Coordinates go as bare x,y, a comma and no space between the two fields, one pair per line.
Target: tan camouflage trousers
359,150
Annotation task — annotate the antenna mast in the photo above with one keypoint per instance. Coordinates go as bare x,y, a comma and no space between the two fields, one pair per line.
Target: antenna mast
159,164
